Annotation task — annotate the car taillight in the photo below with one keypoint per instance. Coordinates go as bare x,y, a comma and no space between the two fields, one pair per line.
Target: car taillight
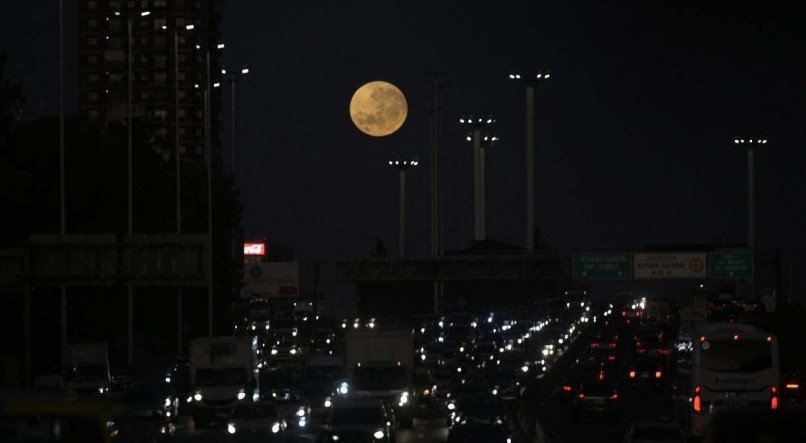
611,357
663,351
658,374
581,396
614,396
632,374
567,388
595,345
601,375
774,399
697,401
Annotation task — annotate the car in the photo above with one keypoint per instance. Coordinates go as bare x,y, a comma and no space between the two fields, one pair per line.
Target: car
478,432
255,418
646,372
653,432
651,345
360,419
596,399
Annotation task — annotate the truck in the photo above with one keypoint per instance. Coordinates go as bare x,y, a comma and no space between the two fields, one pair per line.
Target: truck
223,373
86,368
734,368
380,363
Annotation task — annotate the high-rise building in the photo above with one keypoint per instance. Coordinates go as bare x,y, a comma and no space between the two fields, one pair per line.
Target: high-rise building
167,44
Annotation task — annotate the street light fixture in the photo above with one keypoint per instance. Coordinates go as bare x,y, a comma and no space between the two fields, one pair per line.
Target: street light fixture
234,75
477,124
530,81
402,165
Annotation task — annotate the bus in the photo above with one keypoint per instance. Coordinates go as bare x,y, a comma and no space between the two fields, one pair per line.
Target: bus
734,368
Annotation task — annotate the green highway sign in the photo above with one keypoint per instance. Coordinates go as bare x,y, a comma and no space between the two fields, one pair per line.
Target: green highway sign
730,264
602,266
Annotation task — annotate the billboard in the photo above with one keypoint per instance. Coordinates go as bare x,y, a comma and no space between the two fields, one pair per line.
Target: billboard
273,279
670,265
254,249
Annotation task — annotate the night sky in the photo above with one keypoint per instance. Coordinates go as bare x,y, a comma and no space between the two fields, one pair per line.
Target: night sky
634,130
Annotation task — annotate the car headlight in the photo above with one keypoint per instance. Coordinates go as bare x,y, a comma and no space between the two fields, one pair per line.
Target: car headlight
334,437
343,388
197,397
241,395
189,399
328,403
451,406
293,351
231,428
275,427
302,423
167,402
274,352
301,412
378,434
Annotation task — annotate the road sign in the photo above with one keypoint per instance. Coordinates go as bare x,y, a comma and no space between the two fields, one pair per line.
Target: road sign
602,266
730,264
669,265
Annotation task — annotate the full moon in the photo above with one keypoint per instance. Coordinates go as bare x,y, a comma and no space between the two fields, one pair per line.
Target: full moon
378,108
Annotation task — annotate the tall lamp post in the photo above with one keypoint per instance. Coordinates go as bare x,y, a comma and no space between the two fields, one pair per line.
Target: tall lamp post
402,166
530,81
477,125
487,142
750,144
234,75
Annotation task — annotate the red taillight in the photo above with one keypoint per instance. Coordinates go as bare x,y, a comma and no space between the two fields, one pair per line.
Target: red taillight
774,390
774,402
581,396
736,337
601,375
702,338
612,345
658,374
663,351
611,357
697,404
637,313
632,374
623,313
769,338
614,396
567,388
792,386
595,345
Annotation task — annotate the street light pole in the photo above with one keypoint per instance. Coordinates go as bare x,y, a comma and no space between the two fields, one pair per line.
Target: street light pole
178,172
476,125
130,216
232,125
207,146
751,203
62,200
402,166
487,142
530,81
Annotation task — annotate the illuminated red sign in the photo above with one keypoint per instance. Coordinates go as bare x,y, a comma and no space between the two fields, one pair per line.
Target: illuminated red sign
254,249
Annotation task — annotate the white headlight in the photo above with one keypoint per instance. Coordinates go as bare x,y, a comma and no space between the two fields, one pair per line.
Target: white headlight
378,434
275,427
197,397
231,428
241,395
167,402
328,403
451,406
301,412
293,351
274,352
343,388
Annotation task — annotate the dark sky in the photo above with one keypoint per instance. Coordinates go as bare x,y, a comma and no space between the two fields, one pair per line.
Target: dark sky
634,131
